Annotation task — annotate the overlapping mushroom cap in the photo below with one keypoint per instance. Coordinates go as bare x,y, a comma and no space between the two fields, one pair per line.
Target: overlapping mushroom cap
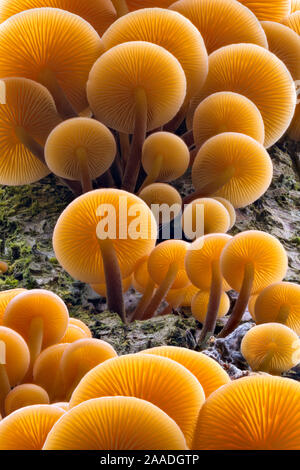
99,13
125,69
75,238
25,395
200,305
169,30
222,22
275,10
16,356
115,423
5,297
82,325
295,5
73,333
50,46
214,218
159,196
230,209
258,74
159,380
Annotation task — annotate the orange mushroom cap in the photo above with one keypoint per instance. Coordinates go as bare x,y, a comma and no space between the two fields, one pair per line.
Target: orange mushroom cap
275,10
16,355
25,395
184,295
5,297
222,22
141,274
200,304
101,288
27,428
158,196
251,305
214,218
295,6
261,412
3,267
159,380
80,324
73,333
230,209
293,22
115,423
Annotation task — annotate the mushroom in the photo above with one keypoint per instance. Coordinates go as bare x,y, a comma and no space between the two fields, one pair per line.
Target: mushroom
80,357
101,288
80,149
159,380
258,74
280,303
135,87
251,305
233,166
115,423
164,201
16,357
95,241
64,405
227,112
222,22
165,157
5,297
183,296
295,6
82,325
230,210
166,268
200,305
40,316
47,371
202,264
27,428
99,13
143,283
3,267
204,216
271,348
259,412
26,120
25,395
73,333
53,47
251,261
265,10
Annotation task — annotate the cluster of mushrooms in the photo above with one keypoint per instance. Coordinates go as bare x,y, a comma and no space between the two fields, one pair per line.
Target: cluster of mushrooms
119,98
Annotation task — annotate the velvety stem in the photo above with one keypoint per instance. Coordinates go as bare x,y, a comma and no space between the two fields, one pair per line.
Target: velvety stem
283,314
241,303
154,173
4,387
85,179
213,304
63,105
134,160
188,138
139,311
35,342
113,279
121,7
161,292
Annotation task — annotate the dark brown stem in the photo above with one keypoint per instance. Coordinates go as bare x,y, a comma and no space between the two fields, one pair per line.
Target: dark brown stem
154,173
85,179
241,303
63,105
188,138
139,311
124,147
120,7
174,124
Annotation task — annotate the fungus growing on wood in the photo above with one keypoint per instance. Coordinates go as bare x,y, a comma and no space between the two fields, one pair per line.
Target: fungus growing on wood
265,10
53,47
135,87
115,423
222,22
96,244
280,303
25,395
164,201
262,413
159,380
200,305
5,297
80,149
251,261
203,216
271,348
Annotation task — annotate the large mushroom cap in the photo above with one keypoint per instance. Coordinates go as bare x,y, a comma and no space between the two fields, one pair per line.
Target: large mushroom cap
125,69
38,303
274,10
159,380
209,373
167,29
227,112
263,250
99,13
5,297
261,412
80,134
258,74
25,395
240,156
222,22
50,42
200,305
115,423
214,218
27,428
271,348
29,107
16,355
75,238
279,302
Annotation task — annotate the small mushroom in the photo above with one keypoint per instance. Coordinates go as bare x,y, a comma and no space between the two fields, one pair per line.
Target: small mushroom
73,333
159,380
27,428
265,10
271,348
184,296
25,395
251,305
280,303
230,209
135,87
164,201
115,423
3,267
200,305
80,149
40,316
5,297
82,325
259,412
143,283
251,261
203,216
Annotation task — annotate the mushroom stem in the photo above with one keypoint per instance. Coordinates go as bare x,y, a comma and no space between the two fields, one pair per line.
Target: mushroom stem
134,161
120,7
167,310
138,312
162,291
35,341
113,279
155,170
63,105
213,304
188,138
4,387
124,147
174,124
283,314
212,187
241,303
86,182
30,143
